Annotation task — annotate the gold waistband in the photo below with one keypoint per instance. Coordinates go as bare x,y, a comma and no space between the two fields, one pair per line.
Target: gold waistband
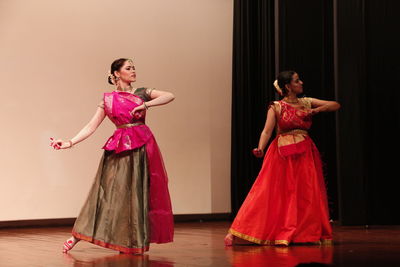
295,131
128,125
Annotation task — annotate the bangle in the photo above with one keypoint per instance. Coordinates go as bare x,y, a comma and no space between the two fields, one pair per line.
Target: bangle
145,106
70,144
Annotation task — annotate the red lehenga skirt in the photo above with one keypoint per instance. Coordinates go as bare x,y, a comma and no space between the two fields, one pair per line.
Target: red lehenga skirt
288,201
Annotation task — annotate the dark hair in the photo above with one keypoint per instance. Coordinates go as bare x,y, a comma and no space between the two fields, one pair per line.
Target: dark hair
285,77
116,66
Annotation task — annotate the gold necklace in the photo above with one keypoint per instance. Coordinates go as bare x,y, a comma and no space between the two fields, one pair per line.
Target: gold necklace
128,89
292,102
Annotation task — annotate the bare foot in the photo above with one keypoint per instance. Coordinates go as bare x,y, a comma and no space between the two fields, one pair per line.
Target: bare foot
229,238
69,244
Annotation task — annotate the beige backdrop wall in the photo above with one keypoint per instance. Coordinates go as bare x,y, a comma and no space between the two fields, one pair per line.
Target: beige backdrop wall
54,56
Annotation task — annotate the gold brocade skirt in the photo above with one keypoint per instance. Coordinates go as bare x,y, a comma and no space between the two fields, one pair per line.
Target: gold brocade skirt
115,214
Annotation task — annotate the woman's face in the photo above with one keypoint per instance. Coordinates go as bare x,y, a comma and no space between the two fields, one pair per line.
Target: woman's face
296,85
127,73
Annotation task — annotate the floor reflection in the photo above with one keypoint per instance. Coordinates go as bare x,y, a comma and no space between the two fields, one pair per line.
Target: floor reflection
120,260
246,256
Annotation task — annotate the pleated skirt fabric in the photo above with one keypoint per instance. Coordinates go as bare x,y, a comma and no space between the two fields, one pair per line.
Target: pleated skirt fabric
115,214
288,202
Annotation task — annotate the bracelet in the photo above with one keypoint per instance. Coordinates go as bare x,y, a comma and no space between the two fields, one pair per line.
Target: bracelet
145,106
70,143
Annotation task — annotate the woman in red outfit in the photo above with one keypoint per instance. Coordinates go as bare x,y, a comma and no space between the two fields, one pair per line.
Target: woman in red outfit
287,203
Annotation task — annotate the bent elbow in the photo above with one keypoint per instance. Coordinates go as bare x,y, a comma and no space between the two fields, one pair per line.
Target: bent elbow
267,133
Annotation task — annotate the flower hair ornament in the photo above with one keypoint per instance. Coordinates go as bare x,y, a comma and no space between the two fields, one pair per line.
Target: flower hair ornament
278,89
111,77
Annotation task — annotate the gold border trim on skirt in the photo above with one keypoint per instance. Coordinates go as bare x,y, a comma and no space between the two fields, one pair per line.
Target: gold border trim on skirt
258,241
274,242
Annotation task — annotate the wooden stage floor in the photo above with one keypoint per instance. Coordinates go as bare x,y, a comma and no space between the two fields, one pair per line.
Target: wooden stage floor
201,244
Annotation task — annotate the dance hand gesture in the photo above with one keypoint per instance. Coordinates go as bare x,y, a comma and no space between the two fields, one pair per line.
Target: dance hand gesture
137,112
258,153
314,111
59,144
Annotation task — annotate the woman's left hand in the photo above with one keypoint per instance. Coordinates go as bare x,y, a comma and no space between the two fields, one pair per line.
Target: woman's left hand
258,153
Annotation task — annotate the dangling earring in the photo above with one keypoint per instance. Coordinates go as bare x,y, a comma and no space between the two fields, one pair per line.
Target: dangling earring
117,82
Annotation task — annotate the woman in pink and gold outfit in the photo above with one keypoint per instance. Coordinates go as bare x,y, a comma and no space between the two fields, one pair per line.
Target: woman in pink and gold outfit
128,206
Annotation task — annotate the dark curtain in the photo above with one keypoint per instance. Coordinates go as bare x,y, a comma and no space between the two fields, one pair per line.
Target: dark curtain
253,75
368,57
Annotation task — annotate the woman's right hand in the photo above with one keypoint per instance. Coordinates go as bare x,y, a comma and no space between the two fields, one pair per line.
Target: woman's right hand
258,153
59,144
138,109
137,114
314,111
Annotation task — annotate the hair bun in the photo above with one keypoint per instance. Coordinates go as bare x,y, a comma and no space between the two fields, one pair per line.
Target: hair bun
109,80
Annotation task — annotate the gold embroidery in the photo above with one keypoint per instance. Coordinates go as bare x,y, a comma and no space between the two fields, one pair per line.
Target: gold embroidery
275,242
258,241
128,125
277,107
306,102
148,92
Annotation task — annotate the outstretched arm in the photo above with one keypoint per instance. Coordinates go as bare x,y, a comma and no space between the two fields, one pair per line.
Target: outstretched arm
158,98
266,132
318,106
86,131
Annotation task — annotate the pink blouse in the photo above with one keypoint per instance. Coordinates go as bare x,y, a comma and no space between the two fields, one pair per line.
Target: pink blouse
133,132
